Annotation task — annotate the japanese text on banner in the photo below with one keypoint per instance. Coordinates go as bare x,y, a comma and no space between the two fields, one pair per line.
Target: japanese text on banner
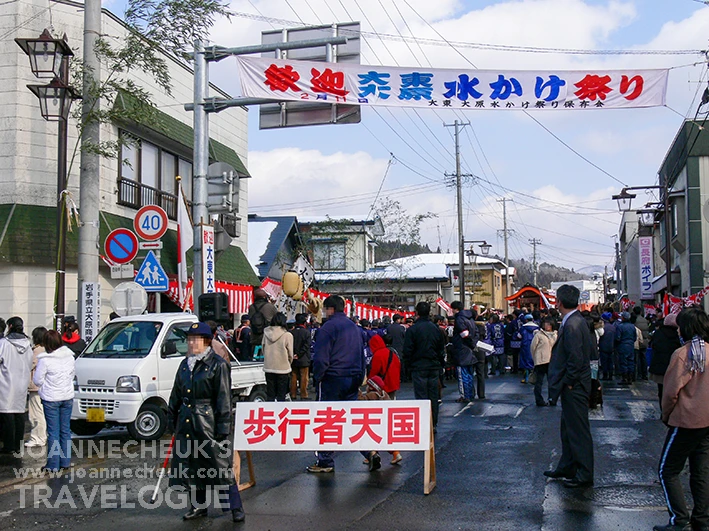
646,267
208,259
449,88
400,425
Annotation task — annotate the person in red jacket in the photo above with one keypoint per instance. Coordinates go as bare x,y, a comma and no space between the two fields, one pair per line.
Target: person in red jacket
386,365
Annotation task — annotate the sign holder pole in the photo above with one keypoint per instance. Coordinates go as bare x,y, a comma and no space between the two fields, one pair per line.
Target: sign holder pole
237,470
157,293
429,466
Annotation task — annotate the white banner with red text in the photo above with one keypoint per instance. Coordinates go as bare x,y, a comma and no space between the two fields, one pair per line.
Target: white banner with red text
460,88
357,425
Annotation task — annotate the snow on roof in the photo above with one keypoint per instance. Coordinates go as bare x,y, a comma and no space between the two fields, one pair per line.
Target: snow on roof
358,219
409,268
259,236
450,259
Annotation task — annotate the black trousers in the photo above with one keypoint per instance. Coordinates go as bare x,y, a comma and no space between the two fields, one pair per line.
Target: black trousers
576,443
234,498
13,431
541,371
277,386
682,444
426,388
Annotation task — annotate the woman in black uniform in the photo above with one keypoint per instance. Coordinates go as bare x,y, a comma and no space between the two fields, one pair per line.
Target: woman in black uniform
200,411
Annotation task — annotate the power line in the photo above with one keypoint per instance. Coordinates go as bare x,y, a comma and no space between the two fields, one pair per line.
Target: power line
442,41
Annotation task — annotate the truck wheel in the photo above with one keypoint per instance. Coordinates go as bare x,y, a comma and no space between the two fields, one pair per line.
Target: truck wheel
150,423
258,394
81,427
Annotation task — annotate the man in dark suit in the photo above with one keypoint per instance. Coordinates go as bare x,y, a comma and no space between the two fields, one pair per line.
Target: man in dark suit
570,379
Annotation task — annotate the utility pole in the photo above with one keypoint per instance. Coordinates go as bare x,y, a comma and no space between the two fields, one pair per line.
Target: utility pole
505,234
200,207
617,270
534,242
459,203
89,177
605,284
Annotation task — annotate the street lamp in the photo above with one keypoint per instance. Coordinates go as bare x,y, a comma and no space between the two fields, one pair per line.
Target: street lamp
49,58
646,217
54,100
484,249
46,54
625,198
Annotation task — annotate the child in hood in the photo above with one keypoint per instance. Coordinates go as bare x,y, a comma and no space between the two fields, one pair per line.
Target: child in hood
375,391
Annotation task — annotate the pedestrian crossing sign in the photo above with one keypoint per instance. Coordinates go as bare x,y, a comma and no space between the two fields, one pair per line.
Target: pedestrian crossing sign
151,275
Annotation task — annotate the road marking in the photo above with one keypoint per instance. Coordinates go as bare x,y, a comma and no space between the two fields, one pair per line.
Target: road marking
642,410
519,412
464,409
5,514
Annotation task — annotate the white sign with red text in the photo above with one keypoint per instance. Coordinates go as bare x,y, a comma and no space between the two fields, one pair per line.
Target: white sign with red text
462,88
343,426
208,259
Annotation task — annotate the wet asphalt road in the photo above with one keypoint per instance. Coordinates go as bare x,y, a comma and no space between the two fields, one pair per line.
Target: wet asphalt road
490,459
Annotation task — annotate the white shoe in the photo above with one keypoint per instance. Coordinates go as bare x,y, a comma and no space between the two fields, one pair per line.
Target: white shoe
31,444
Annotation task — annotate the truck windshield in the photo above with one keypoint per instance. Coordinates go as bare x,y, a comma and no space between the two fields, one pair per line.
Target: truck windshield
124,340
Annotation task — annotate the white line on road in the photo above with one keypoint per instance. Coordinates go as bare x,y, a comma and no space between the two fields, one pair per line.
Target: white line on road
464,409
5,514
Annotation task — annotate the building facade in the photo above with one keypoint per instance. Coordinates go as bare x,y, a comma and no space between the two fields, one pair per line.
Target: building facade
144,173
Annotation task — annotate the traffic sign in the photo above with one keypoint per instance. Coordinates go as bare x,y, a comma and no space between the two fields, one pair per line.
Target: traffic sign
150,246
121,246
585,295
151,275
150,223
129,299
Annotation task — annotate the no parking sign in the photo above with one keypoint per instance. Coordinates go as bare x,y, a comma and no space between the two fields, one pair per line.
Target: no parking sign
121,246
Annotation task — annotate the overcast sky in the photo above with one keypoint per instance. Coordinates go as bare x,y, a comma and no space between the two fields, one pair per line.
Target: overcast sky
557,196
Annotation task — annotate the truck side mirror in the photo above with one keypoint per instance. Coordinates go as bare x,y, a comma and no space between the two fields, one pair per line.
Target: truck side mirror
169,348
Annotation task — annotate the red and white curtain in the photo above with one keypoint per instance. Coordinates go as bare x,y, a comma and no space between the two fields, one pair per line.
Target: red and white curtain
240,296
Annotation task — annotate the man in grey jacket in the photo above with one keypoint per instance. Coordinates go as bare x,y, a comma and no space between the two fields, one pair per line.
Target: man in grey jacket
15,368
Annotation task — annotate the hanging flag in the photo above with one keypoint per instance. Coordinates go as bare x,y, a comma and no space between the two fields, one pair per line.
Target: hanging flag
460,88
185,240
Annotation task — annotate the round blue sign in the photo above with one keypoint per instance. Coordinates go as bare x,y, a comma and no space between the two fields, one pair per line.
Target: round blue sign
121,246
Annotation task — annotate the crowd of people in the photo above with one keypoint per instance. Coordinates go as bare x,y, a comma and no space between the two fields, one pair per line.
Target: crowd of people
37,375
354,359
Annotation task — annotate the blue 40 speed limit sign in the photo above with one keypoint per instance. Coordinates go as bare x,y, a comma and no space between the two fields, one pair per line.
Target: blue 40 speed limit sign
150,222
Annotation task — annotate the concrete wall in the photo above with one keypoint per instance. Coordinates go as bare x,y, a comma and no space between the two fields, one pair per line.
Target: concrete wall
29,293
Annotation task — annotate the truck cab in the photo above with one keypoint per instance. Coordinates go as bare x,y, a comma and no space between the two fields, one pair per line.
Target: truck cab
125,375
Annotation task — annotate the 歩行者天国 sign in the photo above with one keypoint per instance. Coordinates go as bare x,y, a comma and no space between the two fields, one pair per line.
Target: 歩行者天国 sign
292,80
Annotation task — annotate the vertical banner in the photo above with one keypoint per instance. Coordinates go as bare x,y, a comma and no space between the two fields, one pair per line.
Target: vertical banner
208,280
646,267
90,310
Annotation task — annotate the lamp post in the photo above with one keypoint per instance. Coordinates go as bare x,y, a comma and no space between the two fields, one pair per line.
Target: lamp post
49,58
625,199
485,250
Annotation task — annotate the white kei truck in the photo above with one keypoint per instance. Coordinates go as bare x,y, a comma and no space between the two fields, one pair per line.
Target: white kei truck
125,375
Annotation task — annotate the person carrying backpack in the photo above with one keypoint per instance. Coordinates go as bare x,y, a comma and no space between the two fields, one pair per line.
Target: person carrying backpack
466,359
260,313
386,365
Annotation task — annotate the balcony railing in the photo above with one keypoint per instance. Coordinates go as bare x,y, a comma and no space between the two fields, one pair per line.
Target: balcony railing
135,195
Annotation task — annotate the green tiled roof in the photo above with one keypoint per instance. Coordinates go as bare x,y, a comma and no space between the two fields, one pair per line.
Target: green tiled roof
233,266
30,239
174,129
